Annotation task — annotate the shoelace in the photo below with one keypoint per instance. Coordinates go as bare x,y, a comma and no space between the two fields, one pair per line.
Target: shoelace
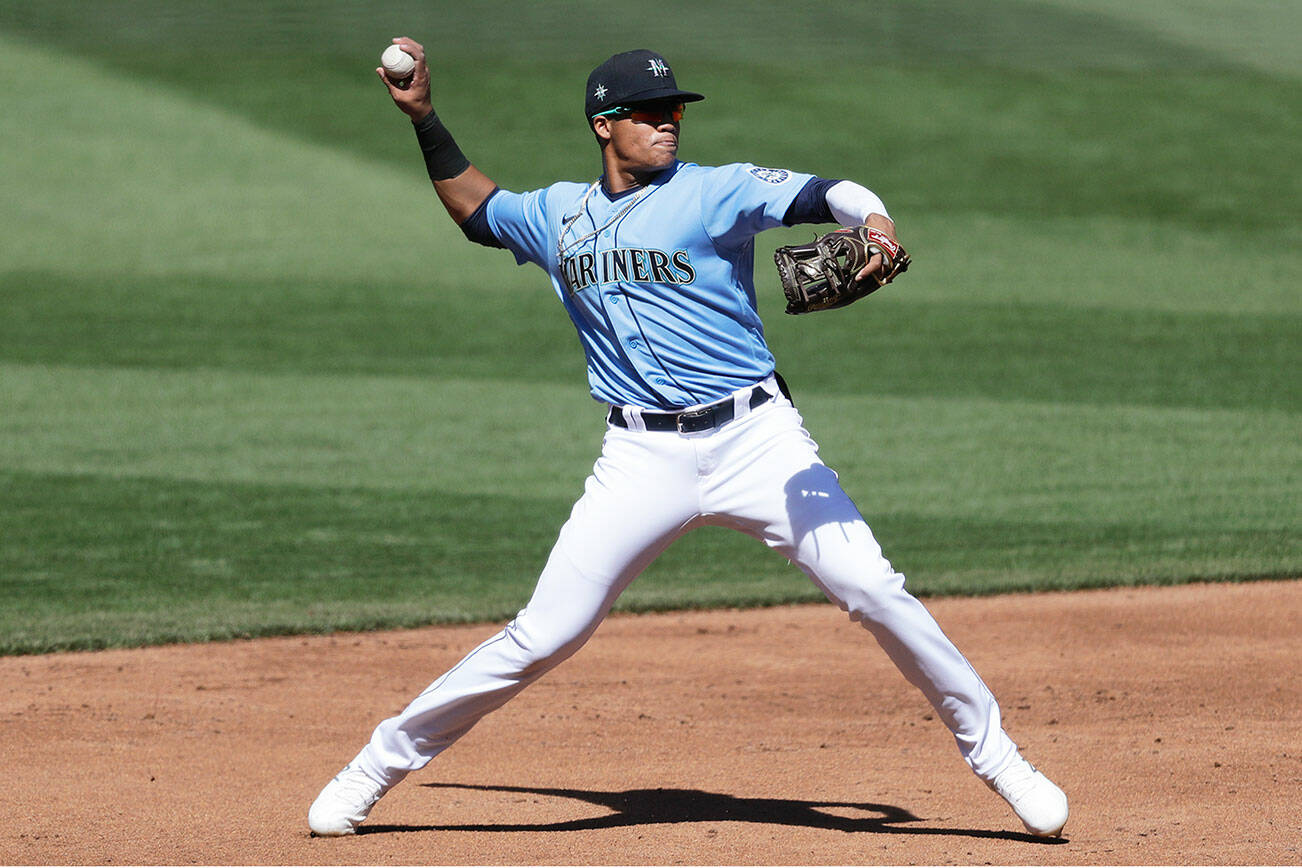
355,782
1016,781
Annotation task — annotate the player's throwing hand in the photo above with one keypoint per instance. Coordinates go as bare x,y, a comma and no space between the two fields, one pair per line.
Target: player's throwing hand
415,98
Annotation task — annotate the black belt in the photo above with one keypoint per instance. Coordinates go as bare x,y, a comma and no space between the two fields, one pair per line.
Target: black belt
691,421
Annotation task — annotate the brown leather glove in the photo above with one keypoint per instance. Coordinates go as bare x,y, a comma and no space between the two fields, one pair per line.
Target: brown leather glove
820,275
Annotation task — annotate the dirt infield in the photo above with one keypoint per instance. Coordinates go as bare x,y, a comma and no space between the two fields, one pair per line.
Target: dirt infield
1172,718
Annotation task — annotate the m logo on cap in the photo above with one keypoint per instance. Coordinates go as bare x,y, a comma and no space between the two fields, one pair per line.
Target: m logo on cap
633,78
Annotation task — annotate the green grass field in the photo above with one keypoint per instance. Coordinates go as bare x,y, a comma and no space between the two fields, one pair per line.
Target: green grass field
253,381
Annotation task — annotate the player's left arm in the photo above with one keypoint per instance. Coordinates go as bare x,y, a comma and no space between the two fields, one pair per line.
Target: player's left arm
747,199
853,204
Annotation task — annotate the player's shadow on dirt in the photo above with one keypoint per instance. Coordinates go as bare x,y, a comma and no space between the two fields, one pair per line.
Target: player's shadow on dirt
654,807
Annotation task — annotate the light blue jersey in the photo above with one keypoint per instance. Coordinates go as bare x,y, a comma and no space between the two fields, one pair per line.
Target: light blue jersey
658,280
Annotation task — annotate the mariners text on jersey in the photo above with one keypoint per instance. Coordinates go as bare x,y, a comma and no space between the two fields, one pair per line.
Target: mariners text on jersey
627,263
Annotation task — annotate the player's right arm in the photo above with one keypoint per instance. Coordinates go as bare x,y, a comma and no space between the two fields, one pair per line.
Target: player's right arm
460,186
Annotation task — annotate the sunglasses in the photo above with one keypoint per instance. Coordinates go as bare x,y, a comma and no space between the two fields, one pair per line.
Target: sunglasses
645,115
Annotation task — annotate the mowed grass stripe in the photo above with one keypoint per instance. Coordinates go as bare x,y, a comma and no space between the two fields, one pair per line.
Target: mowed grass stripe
531,440
147,561
1017,33
473,436
891,345
1250,32
1027,106
1020,351
140,181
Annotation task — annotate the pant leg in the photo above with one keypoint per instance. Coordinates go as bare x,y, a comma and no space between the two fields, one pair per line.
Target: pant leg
640,497
778,490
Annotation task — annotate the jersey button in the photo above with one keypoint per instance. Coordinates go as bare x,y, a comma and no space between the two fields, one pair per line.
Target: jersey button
614,299
661,381
633,344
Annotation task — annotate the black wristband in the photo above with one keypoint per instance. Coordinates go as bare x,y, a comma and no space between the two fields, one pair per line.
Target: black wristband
443,159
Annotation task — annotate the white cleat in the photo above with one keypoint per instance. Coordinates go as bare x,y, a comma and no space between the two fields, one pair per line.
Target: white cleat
1037,801
344,803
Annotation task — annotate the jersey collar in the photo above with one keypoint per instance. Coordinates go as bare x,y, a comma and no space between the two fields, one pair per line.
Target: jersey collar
663,176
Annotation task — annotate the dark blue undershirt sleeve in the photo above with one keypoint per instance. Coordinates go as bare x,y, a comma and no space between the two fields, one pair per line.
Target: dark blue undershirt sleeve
476,228
810,204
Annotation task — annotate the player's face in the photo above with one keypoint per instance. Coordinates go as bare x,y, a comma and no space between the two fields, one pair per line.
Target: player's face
645,139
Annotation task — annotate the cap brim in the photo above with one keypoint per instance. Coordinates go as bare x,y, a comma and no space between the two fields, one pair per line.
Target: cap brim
660,95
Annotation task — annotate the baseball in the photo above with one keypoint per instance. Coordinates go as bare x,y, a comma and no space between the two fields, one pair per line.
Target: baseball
398,64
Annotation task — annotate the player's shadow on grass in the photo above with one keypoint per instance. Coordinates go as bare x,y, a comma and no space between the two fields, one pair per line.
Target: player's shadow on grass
654,807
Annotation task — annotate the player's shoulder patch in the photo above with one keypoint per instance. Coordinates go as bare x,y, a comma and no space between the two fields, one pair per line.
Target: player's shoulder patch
770,176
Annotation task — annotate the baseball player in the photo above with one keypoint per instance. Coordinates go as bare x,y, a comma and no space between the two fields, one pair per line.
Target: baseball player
653,263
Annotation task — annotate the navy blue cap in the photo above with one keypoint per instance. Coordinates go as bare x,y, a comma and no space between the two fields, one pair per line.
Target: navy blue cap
631,78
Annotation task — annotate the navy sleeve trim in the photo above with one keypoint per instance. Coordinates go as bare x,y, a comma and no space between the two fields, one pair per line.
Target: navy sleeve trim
810,204
476,228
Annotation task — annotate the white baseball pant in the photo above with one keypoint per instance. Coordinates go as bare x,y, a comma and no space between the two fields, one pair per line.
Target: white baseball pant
760,474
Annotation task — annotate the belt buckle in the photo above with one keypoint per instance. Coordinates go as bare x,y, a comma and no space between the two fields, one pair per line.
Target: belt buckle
691,417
